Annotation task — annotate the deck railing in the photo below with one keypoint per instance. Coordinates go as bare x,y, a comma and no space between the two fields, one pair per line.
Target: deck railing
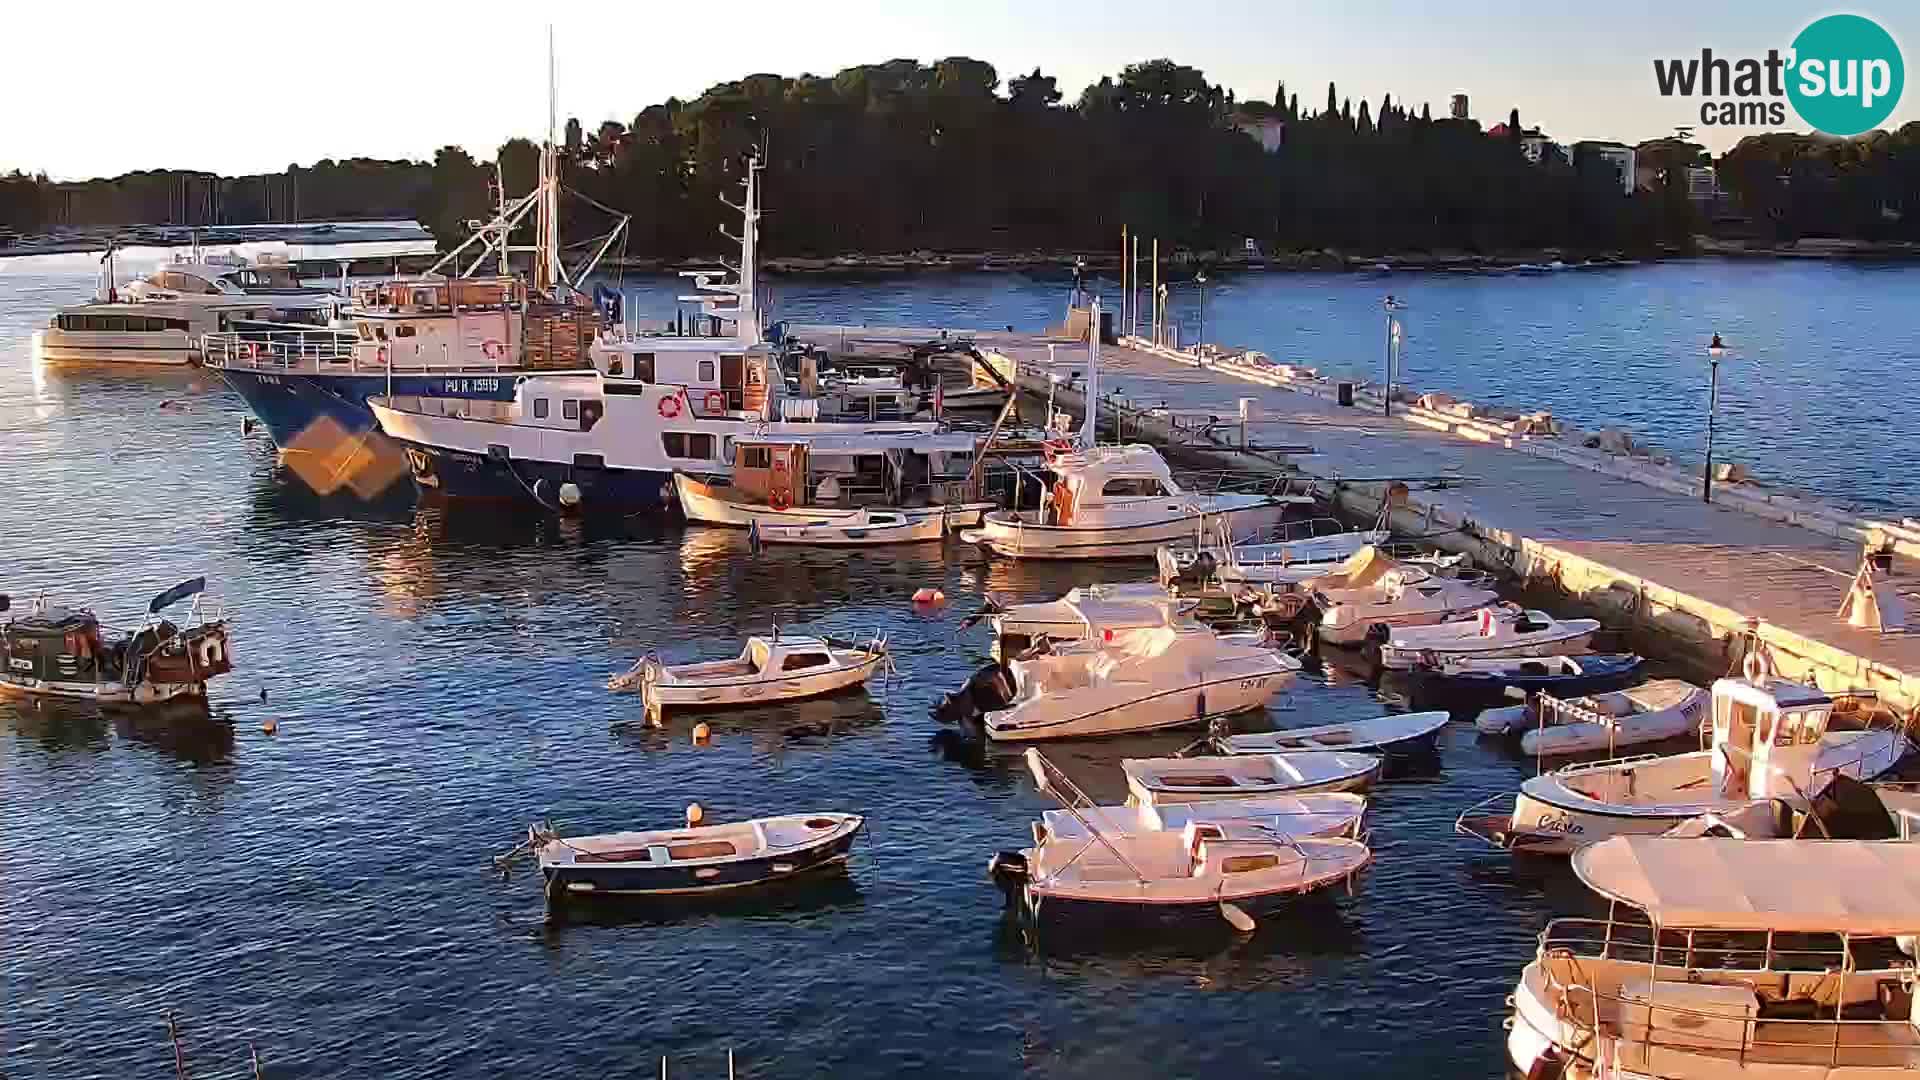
276,349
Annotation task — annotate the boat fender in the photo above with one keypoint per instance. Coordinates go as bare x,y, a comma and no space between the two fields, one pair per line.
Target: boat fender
1062,503
1008,869
694,814
210,652
569,494
702,734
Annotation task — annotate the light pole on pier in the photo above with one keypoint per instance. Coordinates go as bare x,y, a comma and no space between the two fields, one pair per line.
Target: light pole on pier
1715,351
1393,309
1200,279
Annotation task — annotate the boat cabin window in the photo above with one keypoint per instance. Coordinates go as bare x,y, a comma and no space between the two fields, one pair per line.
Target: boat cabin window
706,372
756,457
366,331
570,409
1801,726
380,331
1241,864
642,367
137,324
681,444
804,660
403,330
540,408
1133,486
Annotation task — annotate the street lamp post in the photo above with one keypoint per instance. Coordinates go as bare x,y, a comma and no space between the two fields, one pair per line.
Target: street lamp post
1393,309
1715,351
1200,279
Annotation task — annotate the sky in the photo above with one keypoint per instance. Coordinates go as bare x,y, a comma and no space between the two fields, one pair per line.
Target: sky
242,88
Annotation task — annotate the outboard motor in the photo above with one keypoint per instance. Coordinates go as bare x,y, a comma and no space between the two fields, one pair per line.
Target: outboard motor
1008,869
988,689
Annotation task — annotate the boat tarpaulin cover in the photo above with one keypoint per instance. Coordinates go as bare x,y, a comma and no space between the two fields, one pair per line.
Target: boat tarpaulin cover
1808,886
176,594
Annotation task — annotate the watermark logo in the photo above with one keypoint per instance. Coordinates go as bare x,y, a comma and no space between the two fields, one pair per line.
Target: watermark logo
1843,75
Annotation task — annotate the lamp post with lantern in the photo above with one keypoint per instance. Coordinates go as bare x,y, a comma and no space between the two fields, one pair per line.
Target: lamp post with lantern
1715,351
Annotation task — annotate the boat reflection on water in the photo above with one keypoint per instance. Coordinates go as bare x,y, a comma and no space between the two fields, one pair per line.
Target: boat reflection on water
795,901
1295,943
57,724
183,730
812,724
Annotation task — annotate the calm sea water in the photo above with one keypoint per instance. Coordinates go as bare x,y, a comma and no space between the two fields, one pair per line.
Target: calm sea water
436,678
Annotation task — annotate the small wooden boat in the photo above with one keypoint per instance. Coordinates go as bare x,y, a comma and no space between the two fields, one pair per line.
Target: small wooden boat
1203,779
769,669
868,528
1650,712
1470,679
1395,734
1211,869
1323,814
52,651
700,859
1492,632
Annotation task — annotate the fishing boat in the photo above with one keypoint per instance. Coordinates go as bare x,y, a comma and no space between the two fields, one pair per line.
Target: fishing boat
806,473
1775,958
1770,744
1137,680
1248,776
1324,814
1492,633
1210,870
1397,734
1298,552
1112,502
1653,711
694,860
769,669
52,651
1372,590
1470,680
1086,611
866,528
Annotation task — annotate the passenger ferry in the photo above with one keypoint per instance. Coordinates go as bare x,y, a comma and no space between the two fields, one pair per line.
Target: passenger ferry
161,318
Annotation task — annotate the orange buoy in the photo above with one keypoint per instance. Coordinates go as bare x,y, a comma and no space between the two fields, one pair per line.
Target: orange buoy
694,814
702,733
270,726
929,596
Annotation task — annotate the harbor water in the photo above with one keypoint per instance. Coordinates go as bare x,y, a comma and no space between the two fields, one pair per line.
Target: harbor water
436,680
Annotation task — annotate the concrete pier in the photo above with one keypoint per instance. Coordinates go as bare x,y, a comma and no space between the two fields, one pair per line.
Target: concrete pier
1685,581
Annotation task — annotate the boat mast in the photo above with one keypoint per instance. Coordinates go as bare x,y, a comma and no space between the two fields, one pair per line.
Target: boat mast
549,273
1089,433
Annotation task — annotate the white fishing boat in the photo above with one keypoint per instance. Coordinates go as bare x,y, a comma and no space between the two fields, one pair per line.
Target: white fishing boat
1137,680
1111,502
1248,776
1776,959
770,669
1653,711
1371,590
800,473
1221,869
867,528
1770,744
1304,550
1499,631
1323,814
694,859
1086,611
1394,734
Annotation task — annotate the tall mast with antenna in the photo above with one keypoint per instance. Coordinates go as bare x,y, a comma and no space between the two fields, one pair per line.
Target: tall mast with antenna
550,182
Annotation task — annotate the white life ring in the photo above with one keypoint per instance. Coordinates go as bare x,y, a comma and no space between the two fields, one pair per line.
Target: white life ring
670,407
492,350
210,652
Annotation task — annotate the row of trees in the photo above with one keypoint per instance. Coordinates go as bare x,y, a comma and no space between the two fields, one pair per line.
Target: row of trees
906,156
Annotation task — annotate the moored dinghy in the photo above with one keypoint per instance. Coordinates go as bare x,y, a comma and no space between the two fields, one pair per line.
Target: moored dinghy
867,528
1650,712
1470,680
1492,632
1322,814
769,669
694,859
1086,611
1245,776
1396,734
1224,869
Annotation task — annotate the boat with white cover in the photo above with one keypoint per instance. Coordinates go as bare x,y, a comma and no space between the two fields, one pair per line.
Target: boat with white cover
1493,632
1393,734
1323,814
769,669
1086,611
1304,550
866,528
1655,710
1770,745
1777,959
1137,680
1248,776
1220,869
1372,590
694,860
1114,502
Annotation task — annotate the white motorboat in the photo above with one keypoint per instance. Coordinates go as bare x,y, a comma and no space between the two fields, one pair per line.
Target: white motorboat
1770,745
1248,776
1218,869
1087,611
1323,814
694,859
1137,680
1394,734
1501,631
1777,959
806,472
867,528
1111,502
1372,590
1653,711
1306,550
769,669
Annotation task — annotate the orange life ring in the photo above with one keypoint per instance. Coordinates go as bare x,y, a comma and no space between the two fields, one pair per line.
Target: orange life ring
716,401
779,498
670,407
248,350
492,350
